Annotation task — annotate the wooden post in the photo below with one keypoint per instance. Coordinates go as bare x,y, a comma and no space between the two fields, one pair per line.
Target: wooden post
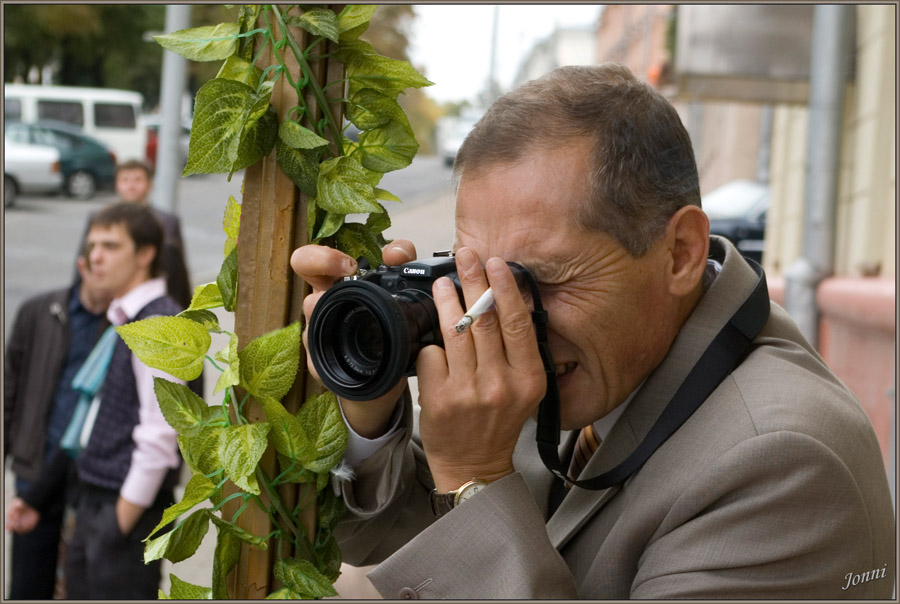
270,296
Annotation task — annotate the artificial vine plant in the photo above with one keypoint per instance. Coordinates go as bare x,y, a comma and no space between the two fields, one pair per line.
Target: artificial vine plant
234,127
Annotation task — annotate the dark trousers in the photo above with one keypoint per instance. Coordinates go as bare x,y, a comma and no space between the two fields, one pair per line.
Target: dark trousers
34,558
104,564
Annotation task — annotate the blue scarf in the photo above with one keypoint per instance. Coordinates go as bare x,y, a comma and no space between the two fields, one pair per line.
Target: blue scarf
87,383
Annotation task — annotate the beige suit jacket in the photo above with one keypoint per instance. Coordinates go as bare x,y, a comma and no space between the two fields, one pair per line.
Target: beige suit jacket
774,488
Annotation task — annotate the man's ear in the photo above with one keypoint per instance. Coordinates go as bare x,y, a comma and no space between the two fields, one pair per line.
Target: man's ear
687,234
145,256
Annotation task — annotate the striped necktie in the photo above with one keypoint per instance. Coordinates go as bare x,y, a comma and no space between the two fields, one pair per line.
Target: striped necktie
585,446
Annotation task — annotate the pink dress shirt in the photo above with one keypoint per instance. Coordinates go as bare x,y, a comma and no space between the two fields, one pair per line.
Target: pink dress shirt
156,448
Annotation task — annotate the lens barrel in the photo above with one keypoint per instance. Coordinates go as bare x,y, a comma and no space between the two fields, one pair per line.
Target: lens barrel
363,339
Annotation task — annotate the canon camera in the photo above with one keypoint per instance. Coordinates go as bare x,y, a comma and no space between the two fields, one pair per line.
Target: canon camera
366,331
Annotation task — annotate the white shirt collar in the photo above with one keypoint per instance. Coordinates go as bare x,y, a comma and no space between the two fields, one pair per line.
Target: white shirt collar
121,310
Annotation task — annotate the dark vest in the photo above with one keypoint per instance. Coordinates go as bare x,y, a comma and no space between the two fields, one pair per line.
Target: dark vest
106,459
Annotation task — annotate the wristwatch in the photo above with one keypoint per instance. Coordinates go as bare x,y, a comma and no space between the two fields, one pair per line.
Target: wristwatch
441,503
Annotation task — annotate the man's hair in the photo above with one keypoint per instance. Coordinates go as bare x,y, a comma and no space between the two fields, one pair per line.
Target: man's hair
135,164
141,223
642,165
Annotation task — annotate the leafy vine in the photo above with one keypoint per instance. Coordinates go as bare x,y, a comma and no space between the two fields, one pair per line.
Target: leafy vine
234,127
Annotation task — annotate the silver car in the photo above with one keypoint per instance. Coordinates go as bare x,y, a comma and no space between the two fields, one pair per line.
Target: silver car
29,169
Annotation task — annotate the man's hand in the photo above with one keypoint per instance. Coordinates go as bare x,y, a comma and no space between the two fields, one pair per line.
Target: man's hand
477,392
321,267
21,518
127,514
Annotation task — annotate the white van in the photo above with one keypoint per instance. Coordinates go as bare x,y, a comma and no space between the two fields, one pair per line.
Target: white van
115,117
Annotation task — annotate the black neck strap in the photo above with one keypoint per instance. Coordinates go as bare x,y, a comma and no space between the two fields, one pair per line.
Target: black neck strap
725,352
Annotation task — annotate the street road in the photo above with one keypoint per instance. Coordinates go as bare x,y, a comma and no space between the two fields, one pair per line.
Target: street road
41,234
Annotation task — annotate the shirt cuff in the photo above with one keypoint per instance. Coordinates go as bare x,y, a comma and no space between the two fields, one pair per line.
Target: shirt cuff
360,448
141,486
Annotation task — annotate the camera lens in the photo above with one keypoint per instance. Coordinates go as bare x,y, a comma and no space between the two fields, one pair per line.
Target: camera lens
362,339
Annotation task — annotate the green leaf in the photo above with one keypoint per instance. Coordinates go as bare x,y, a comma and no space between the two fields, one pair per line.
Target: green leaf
301,166
206,296
197,490
343,189
225,557
368,108
240,449
270,362
324,425
206,43
386,195
172,344
231,376
237,69
233,127
227,280
200,449
368,69
287,434
330,226
319,22
238,533
182,590
354,16
389,147
181,542
206,319
231,224
311,214
357,240
182,408
302,577
297,137
331,509
257,139
329,558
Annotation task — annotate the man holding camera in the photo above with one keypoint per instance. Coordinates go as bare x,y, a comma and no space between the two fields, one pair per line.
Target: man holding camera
772,486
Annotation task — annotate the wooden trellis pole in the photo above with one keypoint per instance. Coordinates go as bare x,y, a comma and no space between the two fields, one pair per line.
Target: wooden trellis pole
270,296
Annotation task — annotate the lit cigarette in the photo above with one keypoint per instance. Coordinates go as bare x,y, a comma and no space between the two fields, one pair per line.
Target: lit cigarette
481,306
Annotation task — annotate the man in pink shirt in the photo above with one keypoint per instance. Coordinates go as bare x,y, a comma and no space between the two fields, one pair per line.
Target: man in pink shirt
129,467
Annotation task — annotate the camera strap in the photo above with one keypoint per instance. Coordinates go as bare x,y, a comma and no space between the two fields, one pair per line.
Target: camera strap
726,352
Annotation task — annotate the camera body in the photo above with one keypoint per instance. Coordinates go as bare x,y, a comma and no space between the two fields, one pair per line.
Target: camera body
366,331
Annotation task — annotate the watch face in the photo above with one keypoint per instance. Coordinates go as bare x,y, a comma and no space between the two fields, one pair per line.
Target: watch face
469,491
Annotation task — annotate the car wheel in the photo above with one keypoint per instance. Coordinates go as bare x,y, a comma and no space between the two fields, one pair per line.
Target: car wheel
81,184
9,191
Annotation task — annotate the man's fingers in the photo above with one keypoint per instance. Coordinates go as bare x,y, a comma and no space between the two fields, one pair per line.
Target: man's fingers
321,266
519,337
399,251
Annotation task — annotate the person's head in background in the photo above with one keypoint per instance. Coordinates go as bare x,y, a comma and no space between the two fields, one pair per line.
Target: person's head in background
134,179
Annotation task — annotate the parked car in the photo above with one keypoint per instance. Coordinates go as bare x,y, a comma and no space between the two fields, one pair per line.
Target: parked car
87,164
153,121
112,116
737,211
29,168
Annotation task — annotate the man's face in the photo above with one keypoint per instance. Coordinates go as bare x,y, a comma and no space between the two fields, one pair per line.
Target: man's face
115,263
133,185
608,325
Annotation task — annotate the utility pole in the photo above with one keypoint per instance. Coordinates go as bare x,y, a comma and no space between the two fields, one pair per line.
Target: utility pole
172,86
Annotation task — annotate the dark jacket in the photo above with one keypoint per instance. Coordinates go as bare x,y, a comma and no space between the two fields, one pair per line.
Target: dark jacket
35,356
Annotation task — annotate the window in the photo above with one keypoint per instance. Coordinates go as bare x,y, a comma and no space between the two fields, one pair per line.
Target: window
17,133
12,109
64,111
114,115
